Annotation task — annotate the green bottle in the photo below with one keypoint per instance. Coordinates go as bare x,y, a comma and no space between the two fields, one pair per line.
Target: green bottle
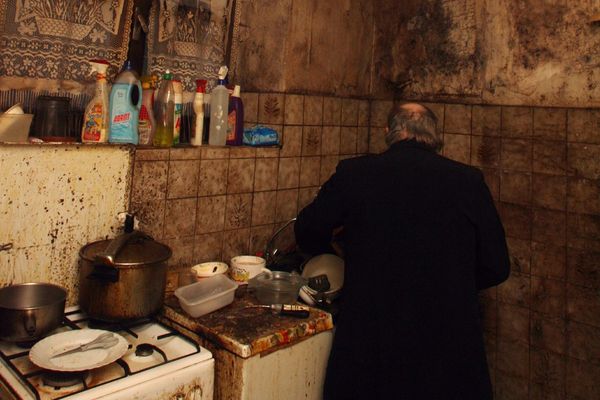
164,109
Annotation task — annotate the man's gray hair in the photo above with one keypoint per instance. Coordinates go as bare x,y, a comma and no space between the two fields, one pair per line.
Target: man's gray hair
417,122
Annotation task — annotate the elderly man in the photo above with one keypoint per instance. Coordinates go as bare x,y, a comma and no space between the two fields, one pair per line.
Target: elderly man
421,238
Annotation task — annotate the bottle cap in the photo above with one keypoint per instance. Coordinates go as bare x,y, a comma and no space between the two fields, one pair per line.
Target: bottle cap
167,75
236,91
128,66
201,86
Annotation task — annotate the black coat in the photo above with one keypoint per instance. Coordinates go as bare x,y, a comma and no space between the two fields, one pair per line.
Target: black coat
421,236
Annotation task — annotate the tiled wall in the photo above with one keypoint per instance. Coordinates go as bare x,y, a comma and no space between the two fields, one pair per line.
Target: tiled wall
542,165
212,203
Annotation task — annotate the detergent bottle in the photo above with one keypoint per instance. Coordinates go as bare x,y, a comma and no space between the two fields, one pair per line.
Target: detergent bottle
95,119
125,101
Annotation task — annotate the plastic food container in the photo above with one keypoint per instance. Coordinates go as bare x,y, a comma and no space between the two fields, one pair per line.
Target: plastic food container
276,287
206,296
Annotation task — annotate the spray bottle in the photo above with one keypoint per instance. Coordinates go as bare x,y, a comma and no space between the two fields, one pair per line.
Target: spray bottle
95,119
125,100
219,110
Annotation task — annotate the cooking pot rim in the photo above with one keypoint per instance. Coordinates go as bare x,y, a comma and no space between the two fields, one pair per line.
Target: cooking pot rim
167,256
60,299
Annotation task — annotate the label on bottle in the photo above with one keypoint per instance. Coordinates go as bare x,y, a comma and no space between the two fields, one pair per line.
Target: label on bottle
231,126
177,122
144,126
121,124
93,124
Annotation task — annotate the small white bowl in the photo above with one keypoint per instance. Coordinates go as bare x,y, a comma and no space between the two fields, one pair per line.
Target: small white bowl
208,269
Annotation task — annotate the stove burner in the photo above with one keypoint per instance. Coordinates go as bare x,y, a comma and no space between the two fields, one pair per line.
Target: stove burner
63,379
144,350
26,345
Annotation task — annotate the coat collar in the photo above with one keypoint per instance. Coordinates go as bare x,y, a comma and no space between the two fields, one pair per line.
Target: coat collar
409,143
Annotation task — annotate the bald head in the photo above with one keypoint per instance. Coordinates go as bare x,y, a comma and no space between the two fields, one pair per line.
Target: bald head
413,121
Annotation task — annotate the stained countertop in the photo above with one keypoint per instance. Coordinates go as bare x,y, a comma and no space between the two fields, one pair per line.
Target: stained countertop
248,331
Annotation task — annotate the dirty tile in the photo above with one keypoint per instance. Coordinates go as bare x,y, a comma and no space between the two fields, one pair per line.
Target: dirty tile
517,121
583,342
540,391
511,388
485,151
212,178
513,322
210,214
364,110
584,160
583,305
185,153
548,370
583,125
457,119
330,140
515,290
306,196
349,112
328,166
583,226
486,120
314,113
362,140
180,215
267,152
183,179
149,180
270,108
549,227
550,157
348,137
263,208
548,260
582,267
214,153
183,251
548,333
520,255
238,211
235,243
259,237
292,141
457,147
242,152
287,205
548,296
151,216
289,172
515,188
438,111
582,380
513,357
208,247
516,220
332,111
492,180
379,112
549,191
250,107
516,155
294,109
583,196
265,177
310,171
241,175
311,140
377,143
150,154
550,123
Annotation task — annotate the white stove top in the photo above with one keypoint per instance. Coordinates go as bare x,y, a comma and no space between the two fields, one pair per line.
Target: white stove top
156,359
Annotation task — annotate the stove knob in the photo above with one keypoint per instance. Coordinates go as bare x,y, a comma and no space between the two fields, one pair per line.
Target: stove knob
195,393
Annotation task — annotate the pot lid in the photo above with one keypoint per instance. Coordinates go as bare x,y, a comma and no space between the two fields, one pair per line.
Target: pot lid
136,251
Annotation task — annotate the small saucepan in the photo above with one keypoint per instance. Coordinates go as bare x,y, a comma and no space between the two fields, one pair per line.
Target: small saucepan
29,311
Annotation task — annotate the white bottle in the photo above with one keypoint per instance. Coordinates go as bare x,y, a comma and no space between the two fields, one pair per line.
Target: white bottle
196,139
219,109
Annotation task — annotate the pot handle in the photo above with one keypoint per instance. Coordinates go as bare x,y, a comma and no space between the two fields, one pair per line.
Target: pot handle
104,273
114,247
29,322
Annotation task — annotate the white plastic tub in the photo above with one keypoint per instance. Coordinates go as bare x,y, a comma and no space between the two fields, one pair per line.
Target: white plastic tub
206,296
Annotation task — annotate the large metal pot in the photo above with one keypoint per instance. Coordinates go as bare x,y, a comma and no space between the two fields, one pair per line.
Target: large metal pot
123,278
29,311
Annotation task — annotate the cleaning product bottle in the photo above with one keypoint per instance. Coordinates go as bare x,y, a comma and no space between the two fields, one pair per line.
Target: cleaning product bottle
235,122
196,139
147,123
164,108
95,119
219,106
178,88
125,100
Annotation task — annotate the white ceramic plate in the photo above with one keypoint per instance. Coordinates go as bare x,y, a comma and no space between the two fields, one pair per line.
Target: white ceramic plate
41,353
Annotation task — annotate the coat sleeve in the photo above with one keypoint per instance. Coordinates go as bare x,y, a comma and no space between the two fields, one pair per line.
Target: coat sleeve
316,222
493,264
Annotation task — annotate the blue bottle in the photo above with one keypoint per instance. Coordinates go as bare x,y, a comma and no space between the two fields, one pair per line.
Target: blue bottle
124,104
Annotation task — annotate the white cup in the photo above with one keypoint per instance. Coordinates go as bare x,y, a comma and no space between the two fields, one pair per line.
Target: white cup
244,268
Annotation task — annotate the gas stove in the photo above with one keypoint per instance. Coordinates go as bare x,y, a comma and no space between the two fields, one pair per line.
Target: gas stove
160,363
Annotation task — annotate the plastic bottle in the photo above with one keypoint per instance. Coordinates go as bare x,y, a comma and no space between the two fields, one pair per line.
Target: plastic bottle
147,123
219,106
235,122
95,119
164,109
125,100
177,110
196,139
